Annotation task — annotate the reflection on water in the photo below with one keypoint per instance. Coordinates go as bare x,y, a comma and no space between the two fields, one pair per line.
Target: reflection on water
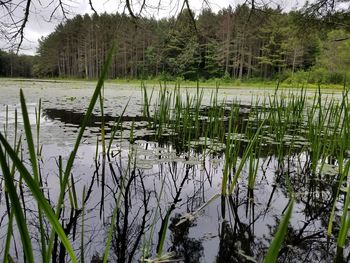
184,248
74,118
168,185
235,243
201,138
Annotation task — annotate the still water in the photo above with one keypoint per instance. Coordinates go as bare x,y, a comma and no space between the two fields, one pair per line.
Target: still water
168,184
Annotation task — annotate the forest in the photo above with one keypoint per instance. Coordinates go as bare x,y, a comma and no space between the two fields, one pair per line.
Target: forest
13,65
233,44
163,164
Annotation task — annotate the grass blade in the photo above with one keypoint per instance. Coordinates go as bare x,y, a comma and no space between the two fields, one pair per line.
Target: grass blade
244,157
331,217
84,123
345,221
272,253
34,162
115,128
17,209
82,260
38,195
8,237
9,234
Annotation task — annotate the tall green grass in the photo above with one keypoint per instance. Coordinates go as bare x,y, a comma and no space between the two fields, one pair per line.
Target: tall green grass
32,179
323,123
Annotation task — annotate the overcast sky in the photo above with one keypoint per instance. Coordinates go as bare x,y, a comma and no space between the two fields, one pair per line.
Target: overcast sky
39,24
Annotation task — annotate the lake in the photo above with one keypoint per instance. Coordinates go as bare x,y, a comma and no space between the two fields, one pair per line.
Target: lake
167,161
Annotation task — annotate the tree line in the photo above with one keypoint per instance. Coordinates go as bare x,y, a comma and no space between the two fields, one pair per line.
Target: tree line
235,43
13,65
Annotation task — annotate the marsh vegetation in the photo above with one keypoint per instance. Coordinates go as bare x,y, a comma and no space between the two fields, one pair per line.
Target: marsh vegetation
176,174
95,171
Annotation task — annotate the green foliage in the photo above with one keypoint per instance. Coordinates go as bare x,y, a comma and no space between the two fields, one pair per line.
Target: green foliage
17,209
38,195
12,65
226,78
231,44
222,45
335,52
275,246
332,65
33,182
316,75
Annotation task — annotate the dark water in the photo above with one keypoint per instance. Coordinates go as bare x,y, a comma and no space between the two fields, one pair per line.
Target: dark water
235,229
169,185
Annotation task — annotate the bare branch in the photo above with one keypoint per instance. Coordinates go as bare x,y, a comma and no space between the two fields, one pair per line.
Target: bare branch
142,6
128,6
25,20
92,7
341,39
63,10
191,15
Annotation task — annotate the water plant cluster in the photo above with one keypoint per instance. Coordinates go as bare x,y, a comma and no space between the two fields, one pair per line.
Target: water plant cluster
155,178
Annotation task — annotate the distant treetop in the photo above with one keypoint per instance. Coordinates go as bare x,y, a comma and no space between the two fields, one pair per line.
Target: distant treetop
16,14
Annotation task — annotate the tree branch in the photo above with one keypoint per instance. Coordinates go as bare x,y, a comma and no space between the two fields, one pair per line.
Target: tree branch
24,22
92,7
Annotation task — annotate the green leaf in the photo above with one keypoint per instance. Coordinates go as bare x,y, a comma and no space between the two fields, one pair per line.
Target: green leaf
244,157
345,222
17,209
6,255
8,236
38,195
272,253
33,161
78,140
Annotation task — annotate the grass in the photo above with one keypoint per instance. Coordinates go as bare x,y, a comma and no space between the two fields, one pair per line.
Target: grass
211,83
34,182
272,253
17,210
181,118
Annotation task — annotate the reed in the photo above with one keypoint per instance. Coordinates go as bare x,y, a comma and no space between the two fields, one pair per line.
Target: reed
179,117
272,253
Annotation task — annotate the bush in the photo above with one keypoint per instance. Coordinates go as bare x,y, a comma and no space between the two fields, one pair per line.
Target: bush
314,76
164,76
226,78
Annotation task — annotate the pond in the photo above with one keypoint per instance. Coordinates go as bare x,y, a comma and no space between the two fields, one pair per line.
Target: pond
161,154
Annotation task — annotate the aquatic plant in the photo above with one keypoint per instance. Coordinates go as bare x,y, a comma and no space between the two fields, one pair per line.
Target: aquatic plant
143,175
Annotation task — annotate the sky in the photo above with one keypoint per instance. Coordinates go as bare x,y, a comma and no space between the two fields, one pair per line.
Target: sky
40,25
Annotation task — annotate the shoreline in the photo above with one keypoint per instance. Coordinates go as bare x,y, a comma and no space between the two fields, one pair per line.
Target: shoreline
211,84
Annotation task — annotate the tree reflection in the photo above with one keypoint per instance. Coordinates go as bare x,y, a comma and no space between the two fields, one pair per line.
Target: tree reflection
234,246
185,249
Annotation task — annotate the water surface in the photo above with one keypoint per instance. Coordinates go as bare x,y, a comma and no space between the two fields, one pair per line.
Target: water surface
166,181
